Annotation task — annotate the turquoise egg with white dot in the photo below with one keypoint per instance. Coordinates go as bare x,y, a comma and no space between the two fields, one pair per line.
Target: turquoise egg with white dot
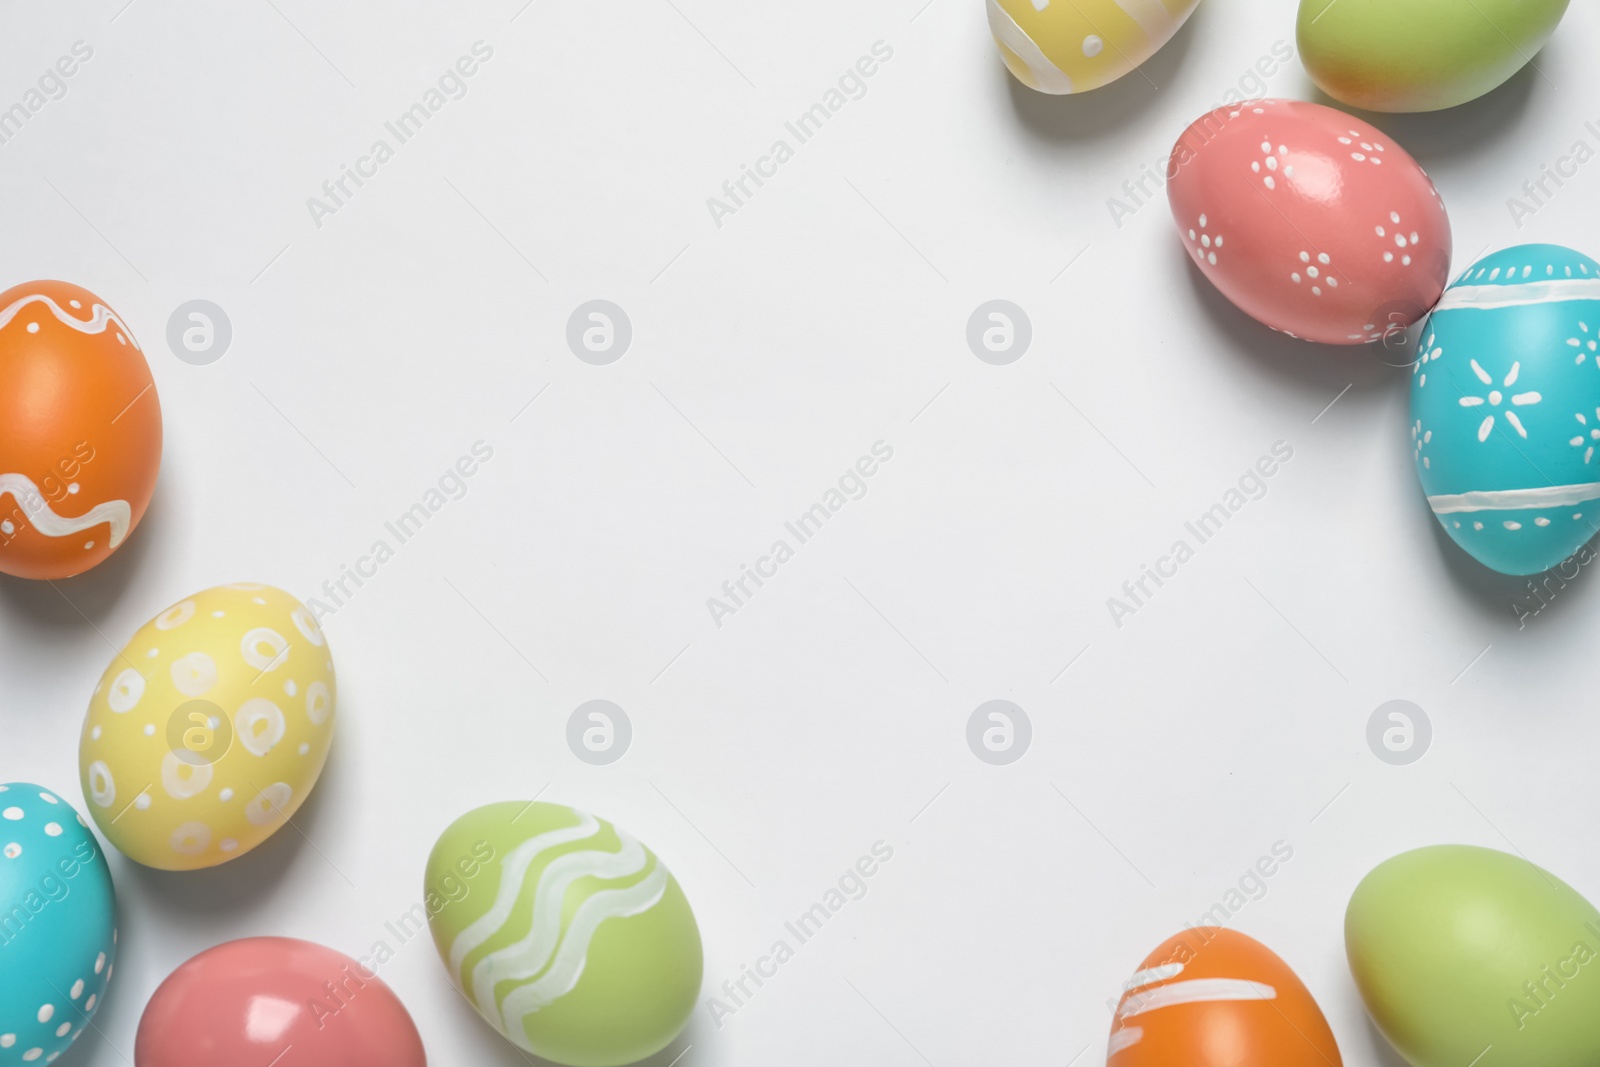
58,934
1505,408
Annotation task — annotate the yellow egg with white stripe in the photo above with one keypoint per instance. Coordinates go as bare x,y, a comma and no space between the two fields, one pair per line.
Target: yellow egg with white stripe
209,728
1073,46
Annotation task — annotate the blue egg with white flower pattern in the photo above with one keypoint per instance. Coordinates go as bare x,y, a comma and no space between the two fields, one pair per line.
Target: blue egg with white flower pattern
58,933
1505,408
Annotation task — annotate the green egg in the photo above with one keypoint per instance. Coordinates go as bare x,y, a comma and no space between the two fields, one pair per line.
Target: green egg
568,936
1466,955
1420,55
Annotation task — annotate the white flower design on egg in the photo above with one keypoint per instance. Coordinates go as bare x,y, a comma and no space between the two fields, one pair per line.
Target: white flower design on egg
1587,435
1585,344
1494,399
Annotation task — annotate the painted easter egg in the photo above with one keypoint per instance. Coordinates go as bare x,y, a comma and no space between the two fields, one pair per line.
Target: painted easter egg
1460,950
82,440
1212,997
1420,55
277,1001
1310,220
1505,408
1072,46
568,935
209,728
58,932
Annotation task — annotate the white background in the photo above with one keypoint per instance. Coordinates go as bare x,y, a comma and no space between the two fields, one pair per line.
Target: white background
372,352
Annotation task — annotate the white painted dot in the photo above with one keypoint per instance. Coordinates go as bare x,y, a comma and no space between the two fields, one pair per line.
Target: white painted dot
1205,240
13,814
47,1012
63,1029
100,963
1316,290
1296,277
32,1054
1202,222
76,303
228,844
304,748
1541,521
1305,257
52,829
7,1040
149,729
1477,526
1092,46
1269,182
1512,525
94,735
226,795
48,799
1312,272
77,989
1388,257
13,850
33,327
88,1005
142,802
1382,232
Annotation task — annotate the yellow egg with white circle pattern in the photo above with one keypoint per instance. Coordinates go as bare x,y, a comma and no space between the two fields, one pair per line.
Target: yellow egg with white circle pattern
209,729
1073,46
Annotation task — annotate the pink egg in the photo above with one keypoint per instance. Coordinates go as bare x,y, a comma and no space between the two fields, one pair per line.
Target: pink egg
1310,220
275,1000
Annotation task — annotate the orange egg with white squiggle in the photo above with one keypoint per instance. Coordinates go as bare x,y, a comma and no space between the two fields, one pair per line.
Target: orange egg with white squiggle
1212,997
80,431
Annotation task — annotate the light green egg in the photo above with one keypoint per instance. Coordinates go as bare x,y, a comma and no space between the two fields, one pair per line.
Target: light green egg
1420,55
1466,955
568,936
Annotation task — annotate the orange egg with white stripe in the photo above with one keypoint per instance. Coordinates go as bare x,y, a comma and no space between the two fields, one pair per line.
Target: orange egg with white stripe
1215,998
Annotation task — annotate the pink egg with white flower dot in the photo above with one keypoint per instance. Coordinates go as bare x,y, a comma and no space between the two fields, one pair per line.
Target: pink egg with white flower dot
1310,220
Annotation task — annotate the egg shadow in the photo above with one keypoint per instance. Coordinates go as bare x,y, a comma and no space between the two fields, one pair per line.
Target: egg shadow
1473,128
491,1049
1545,596
91,597
1322,370
244,882
1101,112
1379,1051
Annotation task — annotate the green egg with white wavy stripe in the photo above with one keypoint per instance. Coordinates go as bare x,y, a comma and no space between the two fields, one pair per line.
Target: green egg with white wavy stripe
569,936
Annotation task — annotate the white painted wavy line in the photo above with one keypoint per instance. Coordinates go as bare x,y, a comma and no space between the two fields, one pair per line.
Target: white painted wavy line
530,955
564,973
1547,496
1051,78
1151,15
1485,297
20,487
97,324
1124,1039
512,871
1152,976
1195,991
